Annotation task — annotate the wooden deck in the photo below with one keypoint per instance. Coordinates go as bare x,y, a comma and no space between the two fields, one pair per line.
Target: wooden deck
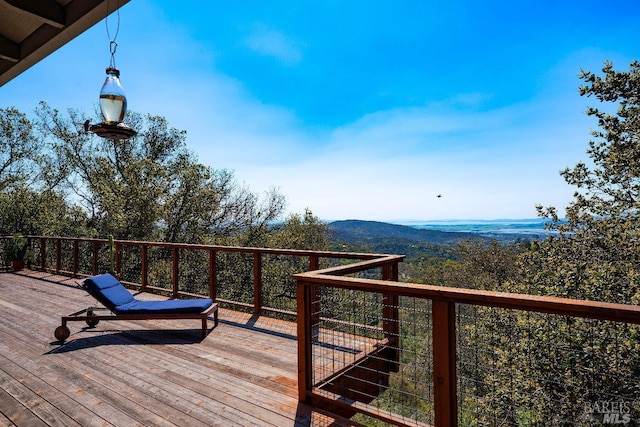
142,373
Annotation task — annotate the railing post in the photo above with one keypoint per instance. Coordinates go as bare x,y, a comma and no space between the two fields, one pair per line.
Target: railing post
95,258
391,317
444,363
118,250
314,264
176,271
30,247
43,253
58,255
304,302
212,274
75,258
257,282
390,272
144,275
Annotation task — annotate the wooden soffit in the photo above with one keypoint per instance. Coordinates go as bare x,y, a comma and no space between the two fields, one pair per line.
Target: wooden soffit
32,29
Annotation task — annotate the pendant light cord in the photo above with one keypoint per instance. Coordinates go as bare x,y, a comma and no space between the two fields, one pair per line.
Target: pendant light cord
112,41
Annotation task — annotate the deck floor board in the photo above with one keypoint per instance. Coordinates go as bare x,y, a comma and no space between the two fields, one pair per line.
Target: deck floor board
146,373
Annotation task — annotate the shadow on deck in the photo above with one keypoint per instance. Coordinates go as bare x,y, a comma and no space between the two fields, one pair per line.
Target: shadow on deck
145,373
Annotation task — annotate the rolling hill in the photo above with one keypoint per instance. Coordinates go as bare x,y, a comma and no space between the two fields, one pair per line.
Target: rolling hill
368,232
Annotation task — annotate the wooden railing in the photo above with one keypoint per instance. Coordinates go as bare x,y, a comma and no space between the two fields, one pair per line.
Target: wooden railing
444,302
62,255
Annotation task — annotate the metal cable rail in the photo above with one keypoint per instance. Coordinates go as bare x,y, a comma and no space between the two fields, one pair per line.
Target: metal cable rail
449,355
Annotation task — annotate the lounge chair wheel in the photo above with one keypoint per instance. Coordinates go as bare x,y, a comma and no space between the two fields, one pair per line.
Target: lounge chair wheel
62,333
91,322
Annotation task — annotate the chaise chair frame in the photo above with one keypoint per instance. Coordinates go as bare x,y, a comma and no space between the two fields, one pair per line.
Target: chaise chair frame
89,316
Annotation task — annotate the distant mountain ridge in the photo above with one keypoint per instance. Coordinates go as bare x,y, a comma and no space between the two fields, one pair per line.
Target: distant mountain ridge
359,231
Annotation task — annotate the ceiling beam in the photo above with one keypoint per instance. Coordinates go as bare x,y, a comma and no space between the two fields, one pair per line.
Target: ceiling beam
37,39
49,11
9,50
76,9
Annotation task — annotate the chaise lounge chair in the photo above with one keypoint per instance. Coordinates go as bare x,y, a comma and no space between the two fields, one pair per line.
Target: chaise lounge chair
119,301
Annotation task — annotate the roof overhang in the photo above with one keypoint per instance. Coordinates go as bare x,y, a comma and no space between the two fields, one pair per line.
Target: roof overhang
32,29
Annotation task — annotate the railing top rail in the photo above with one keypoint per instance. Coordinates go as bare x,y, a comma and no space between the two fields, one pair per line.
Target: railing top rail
363,265
245,249
535,303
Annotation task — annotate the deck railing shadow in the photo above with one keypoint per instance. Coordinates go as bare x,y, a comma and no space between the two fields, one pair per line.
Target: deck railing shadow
252,325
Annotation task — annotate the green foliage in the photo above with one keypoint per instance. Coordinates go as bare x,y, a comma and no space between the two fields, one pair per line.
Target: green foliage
33,212
471,264
597,254
19,149
15,249
150,187
305,232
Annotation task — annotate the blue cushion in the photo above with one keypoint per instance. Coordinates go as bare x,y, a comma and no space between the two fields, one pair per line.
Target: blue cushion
165,306
109,291
103,281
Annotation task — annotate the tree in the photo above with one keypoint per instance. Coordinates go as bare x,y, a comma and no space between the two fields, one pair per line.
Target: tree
306,232
32,212
28,203
594,256
120,183
19,149
151,187
601,234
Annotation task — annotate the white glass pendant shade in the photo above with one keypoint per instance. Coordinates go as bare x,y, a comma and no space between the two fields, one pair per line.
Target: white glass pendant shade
113,101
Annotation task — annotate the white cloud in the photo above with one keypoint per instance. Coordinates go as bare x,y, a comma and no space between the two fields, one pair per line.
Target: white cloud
269,42
387,165
391,165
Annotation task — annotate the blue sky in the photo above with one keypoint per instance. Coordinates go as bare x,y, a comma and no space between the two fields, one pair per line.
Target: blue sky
362,109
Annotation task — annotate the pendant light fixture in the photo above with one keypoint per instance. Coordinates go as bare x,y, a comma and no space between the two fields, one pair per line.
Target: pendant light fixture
113,101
